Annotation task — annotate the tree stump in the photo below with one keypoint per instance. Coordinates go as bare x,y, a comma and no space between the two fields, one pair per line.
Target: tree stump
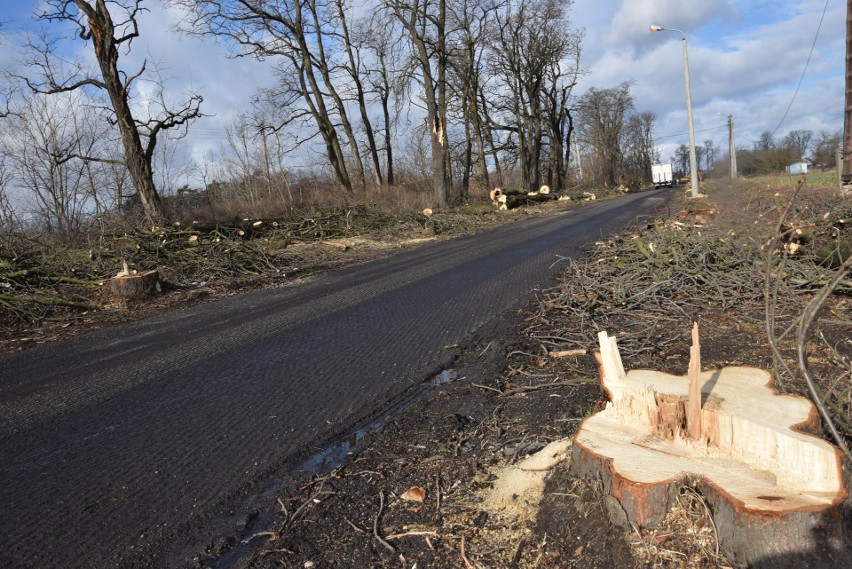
774,491
135,285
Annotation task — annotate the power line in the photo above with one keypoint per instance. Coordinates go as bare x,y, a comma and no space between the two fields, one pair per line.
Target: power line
686,133
802,78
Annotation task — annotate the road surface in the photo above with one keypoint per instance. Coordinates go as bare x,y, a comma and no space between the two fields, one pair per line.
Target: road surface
126,447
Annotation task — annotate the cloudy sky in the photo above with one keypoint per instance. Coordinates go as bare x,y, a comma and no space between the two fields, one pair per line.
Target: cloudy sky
746,59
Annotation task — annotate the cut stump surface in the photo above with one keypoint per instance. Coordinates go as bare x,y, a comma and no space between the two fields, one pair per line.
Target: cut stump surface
774,490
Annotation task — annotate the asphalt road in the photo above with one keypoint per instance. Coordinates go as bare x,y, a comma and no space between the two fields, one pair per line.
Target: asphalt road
123,447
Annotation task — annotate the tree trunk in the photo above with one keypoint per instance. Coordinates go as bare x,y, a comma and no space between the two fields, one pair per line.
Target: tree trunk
434,90
318,110
332,90
384,94
846,172
135,286
362,102
137,159
388,141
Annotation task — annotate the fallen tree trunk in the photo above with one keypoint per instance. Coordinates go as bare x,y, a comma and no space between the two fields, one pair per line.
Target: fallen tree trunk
511,199
775,492
517,200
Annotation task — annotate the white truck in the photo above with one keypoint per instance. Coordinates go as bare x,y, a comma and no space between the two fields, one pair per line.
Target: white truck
662,174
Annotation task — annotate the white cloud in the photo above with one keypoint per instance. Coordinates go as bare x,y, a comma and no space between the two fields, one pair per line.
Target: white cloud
745,58
632,20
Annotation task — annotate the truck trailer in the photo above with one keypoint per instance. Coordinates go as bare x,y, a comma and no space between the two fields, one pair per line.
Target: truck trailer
662,174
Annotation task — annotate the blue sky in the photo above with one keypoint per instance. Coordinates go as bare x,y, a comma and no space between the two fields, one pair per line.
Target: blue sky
746,58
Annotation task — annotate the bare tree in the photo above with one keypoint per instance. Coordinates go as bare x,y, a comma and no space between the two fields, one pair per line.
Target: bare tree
46,137
471,19
378,38
681,159
304,38
425,25
638,147
798,140
710,152
95,24
535,59
765,143
354,67
602,118
8,218
825,148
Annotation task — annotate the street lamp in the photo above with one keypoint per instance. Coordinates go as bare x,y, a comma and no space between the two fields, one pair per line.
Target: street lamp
693,163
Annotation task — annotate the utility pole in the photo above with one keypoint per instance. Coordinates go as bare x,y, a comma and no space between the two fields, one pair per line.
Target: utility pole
846,173
732,147
693,163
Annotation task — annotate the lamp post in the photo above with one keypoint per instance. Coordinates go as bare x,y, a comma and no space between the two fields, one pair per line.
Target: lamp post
693,163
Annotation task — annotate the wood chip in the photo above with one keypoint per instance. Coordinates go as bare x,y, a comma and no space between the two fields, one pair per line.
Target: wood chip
414,494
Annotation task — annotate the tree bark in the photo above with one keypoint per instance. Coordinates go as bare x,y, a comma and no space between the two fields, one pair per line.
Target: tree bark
846,174
322,63
137,157
434,88
135,286
359,95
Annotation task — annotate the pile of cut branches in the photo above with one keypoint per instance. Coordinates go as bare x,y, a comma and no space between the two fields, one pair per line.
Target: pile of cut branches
649,286
31,290
751,294
44,282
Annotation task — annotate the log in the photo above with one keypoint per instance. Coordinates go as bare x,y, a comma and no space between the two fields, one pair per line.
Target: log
517,200
135,285
336,244
774,491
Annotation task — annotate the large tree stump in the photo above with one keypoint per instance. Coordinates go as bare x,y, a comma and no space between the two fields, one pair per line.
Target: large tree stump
774,491
135,285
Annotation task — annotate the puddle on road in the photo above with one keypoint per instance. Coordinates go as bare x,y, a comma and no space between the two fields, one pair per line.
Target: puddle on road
325,461
445,377
334,455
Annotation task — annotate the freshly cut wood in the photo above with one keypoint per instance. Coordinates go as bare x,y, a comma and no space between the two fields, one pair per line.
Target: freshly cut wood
693,405
336,244
774,490
135,285
567,353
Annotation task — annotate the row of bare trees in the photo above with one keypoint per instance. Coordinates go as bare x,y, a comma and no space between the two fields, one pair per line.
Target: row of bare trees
492,80
487,85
